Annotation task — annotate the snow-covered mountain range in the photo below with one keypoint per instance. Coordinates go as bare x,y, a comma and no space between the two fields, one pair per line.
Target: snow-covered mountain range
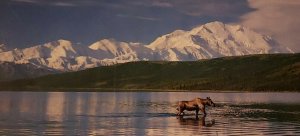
213,40
63,55
207,41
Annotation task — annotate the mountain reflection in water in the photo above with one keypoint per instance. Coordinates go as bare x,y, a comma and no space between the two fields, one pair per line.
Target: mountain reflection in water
146,113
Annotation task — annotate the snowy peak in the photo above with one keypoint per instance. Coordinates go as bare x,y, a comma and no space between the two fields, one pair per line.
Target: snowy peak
220,32
61,42
176,39
212,27
111,46
105,44
63,55
61,48
120,51
2,48
226,35
64,49
59,55
55,49
212,40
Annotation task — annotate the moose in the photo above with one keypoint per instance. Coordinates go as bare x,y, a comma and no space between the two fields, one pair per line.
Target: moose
194,105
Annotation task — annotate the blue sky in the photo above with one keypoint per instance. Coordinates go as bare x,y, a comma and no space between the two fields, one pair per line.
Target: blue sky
25,23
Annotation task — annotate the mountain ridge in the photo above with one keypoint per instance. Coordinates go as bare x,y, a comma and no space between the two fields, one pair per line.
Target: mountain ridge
214,40
207,41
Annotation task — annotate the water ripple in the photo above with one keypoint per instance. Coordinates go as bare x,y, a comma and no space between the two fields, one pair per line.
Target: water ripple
140,114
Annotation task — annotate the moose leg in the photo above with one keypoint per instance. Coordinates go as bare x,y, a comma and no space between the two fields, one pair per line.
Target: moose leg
197,111
180,110
203,110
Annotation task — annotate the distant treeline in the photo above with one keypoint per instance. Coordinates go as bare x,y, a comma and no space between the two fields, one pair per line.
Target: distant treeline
275,72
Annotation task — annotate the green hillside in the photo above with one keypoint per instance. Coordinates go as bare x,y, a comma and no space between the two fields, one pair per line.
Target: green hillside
280,72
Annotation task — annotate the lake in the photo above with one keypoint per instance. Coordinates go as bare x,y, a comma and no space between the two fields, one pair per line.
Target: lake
147,113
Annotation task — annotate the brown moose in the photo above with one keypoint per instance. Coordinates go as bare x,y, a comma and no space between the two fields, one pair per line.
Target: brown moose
194,105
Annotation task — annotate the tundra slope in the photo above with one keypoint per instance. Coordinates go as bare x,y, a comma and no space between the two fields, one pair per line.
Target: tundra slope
267,72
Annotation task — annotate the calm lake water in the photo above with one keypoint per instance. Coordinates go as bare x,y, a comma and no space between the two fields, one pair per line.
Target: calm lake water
146,113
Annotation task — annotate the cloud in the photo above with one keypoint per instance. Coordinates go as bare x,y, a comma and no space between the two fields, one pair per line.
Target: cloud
63,4
278,18
211,7
60,3
196,7
150,3
138,17
193,8
189,7
151,10
162,4
26,1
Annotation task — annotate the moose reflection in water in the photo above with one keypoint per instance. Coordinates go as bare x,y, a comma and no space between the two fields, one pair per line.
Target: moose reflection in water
195,121
194,105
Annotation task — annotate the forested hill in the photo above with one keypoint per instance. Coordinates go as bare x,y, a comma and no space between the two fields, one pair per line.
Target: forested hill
277,72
